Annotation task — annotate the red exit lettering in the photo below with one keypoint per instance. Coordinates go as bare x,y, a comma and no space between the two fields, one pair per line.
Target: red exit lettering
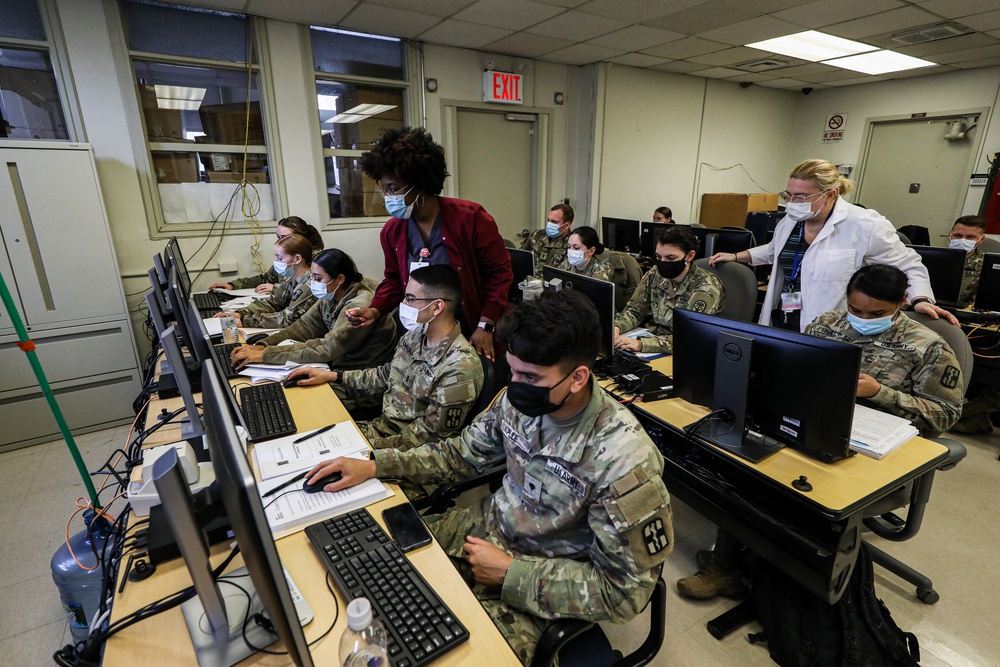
506,86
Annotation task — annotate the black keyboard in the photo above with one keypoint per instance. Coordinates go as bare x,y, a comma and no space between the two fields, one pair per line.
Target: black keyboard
618,363
975,317
223,359
364,562
266,412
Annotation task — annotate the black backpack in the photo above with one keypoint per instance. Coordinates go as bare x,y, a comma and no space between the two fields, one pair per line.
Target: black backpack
802,630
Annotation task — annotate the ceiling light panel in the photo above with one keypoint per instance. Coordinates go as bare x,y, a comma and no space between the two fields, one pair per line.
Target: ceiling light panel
812,45
879,62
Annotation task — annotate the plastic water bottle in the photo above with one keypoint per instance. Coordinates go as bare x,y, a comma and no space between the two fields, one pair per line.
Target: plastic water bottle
79,588
230,332
363,644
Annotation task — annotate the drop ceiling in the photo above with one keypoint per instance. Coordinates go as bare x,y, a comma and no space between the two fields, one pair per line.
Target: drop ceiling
702,38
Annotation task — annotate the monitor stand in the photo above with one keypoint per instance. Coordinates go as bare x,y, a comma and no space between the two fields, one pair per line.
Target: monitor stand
732,382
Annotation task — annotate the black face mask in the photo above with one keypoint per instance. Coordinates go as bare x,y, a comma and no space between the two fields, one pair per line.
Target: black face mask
533,401
670,270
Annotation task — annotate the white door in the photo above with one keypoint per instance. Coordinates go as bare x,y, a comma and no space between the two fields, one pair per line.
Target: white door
495,158
914,176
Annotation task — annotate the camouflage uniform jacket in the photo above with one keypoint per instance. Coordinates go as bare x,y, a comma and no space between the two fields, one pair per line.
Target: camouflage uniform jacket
269,276
970,277
920,376
325,334
587,520
596,268
548,252
427,391
287,303
700,291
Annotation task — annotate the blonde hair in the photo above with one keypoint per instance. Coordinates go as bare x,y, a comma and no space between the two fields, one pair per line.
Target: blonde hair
824,175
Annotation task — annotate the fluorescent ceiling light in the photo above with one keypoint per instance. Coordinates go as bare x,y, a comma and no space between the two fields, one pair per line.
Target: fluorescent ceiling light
812,45
180,105
371,109
879,62
184,98
327,102
348,118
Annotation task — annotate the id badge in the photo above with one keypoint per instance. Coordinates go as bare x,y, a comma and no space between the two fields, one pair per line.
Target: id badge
791,301
417,265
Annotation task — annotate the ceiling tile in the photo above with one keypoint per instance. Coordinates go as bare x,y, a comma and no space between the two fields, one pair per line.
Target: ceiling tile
563,3
833,74
635,11
969,54
387,21
467,35
857,81
583,54
769,6
982,22
746,77
960,43
310,12
237,6
994,33
740,54
636,37
718,72
970,64
823,12
578,26
638,60
895,20
685,48
956,8
528,45
681,66
703,17
511,14
754,30
431,7
785,83
801,71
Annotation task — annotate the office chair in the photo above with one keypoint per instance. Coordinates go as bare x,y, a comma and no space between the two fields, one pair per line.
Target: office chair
489,390
990,245
881,518
903,237
740,283
508,243
626,276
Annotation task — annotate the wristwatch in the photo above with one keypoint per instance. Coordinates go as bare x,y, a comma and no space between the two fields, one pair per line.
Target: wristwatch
488,327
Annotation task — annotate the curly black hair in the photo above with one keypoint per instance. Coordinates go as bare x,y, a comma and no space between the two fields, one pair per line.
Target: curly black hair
411,155
556,329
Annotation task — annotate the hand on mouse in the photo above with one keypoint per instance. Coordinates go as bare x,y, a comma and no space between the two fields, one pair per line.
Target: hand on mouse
308,376
352,472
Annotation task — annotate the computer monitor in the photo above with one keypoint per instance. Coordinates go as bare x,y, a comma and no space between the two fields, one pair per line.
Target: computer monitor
620,234
159,267
205,349
945,267
215,618
762,224
175,259
178,306
191,429
522,263
156,312
726,240
648,233
785,387
600,292
988,294
156,289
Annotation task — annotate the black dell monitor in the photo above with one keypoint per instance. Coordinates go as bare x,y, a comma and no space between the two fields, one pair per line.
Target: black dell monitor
648,233
191,428
522,263
160,268
178,306
600,292
156,312
945,266
215,618
175,259
988,292
620,234
725,240
156,290
774,387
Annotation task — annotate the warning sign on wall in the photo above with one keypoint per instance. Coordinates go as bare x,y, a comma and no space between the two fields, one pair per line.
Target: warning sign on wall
833,132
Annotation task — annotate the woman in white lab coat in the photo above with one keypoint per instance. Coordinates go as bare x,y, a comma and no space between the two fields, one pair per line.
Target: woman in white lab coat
822,240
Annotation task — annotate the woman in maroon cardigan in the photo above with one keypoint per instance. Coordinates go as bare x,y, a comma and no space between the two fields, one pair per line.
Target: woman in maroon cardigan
427,228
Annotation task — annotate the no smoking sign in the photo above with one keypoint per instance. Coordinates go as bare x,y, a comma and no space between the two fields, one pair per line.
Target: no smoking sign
833,131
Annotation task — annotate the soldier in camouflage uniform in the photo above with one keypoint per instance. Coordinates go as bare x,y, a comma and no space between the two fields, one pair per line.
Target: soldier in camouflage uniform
584,255
675,283
324,333
968,233
293,224
582,522
291,296
433,380
550,244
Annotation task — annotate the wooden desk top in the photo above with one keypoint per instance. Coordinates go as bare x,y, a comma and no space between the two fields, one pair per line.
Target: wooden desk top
164,639
838,486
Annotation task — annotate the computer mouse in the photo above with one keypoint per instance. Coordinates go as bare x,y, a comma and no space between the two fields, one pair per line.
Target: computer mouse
320,483
292,382
256,338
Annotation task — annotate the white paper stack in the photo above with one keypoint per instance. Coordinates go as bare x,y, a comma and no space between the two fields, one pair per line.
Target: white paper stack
641,332
281,456
237,292
875,433
274,372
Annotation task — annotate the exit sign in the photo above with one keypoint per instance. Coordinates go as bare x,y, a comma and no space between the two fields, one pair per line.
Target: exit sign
502,87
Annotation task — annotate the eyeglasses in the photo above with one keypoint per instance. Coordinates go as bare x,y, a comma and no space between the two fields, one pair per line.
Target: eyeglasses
409,299
787,196
391,192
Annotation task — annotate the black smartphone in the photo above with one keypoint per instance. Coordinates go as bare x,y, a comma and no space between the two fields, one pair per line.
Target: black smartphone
406,526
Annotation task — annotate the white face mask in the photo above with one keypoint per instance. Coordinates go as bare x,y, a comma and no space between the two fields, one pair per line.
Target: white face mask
319,289
408,317
576,257
968,245
800,212
283,269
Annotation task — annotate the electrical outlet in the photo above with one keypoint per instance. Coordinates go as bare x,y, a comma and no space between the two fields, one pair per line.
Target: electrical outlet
228,266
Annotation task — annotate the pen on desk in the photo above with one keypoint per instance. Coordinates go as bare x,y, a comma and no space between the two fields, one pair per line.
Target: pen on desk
297,478
313,434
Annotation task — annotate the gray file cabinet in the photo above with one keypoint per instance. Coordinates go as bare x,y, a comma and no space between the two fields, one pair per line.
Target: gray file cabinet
58,262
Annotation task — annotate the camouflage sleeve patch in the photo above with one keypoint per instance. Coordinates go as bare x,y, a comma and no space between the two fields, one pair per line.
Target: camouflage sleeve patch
458,393
453,418
950,377
699,306
640,510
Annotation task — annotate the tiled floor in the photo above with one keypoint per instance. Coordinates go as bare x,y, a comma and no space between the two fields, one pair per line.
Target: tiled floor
958,548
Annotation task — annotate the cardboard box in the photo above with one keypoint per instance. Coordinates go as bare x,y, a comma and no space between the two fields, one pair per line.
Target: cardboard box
254,177
227,123
175,167
147,96
163,124
232,161
729,209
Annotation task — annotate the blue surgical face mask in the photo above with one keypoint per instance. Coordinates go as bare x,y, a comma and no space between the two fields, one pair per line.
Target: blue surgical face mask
318,289
872,327
576,257
396,205
282,269
552,229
